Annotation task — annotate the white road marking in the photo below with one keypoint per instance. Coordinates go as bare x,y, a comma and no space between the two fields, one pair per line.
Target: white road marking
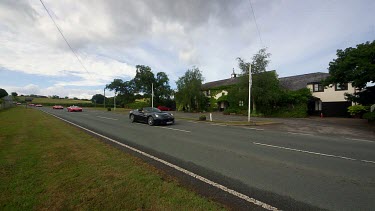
168,128
363,140
196,176
103,117
304,134
218,124
314,153
368,161
251,128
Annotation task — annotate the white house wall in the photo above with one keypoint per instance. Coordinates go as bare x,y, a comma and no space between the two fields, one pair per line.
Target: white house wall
223,92
330,94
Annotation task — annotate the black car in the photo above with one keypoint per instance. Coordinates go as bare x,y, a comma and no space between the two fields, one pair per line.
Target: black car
151,116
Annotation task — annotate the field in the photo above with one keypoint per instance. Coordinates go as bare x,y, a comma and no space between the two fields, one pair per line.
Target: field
48,164
55,101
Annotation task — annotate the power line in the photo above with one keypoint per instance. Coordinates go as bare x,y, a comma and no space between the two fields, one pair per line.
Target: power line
256,24
66,41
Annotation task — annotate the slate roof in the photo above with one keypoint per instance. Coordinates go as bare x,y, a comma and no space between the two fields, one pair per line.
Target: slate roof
300,81
292,82
225,82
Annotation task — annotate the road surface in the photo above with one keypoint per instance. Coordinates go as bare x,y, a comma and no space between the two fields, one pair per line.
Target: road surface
285,170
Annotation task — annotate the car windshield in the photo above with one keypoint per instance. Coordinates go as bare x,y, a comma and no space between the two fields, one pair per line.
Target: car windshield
149,109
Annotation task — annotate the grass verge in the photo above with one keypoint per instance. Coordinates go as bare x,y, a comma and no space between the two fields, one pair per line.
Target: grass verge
48,164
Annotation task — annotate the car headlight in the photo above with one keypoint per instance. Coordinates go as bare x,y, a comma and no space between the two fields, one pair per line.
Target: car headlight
156,115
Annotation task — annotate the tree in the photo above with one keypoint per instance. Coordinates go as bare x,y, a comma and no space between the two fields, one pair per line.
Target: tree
259,62
14,94
123,89
261,82
98,98
162,89
3,93
143,80
355,65
189,95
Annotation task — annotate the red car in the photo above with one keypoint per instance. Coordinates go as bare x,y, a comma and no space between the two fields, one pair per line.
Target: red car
38,105
31,104
74,109
57,107
164,108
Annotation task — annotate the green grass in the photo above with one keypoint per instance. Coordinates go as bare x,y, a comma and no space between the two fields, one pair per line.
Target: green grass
55,101
48,164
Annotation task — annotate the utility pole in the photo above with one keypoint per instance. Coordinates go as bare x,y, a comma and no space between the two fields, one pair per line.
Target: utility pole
152,95
114,102
250,83
104,97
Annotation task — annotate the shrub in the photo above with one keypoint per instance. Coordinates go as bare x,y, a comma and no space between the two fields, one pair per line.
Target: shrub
202,118
370,116
109,109
356,109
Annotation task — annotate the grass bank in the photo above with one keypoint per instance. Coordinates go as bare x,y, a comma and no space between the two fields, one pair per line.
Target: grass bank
48,164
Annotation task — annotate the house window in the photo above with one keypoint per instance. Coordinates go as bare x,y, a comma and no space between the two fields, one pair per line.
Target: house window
318,105
318,88
240,103
340,87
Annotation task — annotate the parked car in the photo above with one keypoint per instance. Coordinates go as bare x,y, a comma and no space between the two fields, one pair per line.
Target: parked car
74,109
31,104
38,105
151,116
19,103
57,107
164,108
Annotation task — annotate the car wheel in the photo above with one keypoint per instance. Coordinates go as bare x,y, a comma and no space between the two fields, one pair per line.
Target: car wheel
131,118
150,121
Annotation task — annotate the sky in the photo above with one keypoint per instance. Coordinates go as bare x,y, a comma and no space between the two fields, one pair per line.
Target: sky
111,37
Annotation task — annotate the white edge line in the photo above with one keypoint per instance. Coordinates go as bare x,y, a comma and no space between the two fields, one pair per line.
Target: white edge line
196,176
298,150
103,117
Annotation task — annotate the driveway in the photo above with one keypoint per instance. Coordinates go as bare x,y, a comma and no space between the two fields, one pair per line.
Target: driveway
331,126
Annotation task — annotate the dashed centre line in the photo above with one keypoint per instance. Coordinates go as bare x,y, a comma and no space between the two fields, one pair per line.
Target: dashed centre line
362,140
314,153
103,117
168,128
304,134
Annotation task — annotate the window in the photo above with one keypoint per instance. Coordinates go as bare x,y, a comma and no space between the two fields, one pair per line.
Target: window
240,103
340,87
318,87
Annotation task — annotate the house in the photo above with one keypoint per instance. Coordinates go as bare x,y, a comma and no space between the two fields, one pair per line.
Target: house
329,101
217,90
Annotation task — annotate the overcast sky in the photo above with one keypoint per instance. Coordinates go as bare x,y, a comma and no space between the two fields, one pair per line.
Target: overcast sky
112,36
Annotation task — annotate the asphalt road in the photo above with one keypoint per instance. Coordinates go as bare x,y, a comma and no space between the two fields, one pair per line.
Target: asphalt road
279,168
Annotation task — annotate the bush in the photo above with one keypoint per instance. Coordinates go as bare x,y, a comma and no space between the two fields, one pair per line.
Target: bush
136,105
108,108
370,116
356,109
202,118
297,111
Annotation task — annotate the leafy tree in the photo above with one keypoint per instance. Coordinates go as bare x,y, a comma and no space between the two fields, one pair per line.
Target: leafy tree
3,93
189,95
162,89
355,65
14,94
98,98
259,62
124,90
143,80
55,97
